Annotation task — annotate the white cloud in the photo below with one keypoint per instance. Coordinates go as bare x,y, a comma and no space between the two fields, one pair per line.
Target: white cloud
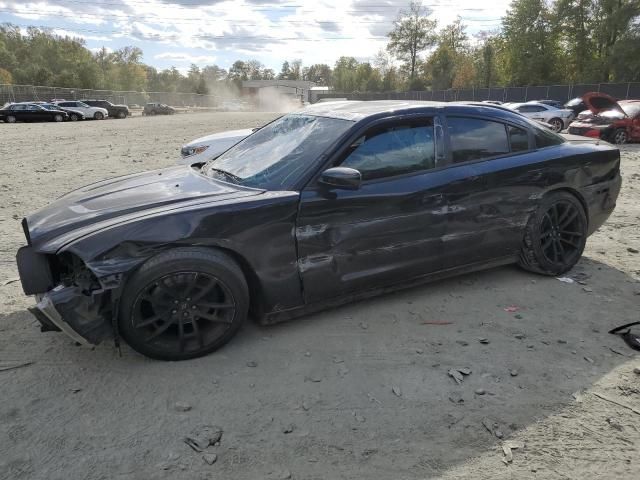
271,31
184,57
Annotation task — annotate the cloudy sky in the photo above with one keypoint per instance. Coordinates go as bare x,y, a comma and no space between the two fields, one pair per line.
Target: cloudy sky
180,32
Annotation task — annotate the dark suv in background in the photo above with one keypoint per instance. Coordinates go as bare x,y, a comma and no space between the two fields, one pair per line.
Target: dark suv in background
115,111
158,109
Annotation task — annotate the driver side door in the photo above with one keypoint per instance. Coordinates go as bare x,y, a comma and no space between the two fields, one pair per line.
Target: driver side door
390,228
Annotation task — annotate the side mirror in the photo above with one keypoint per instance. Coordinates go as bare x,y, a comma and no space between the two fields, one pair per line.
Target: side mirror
341,177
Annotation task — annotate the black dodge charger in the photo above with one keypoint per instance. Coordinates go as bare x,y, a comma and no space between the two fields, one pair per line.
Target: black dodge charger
333,203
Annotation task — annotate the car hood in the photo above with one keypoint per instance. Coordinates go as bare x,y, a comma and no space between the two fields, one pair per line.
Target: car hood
109,199
599,102
224,137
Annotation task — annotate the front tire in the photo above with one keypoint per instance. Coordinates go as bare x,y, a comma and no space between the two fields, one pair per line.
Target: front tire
620,136
11,119
557,124
121,115
58,118
183,303
73,117
98,116
555,235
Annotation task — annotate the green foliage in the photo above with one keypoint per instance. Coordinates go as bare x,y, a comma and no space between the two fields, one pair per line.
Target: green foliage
412,33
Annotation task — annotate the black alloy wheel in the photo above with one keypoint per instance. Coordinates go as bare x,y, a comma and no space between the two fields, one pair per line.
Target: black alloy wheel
561,234
58,118
555,235
183,304
73,117
98,116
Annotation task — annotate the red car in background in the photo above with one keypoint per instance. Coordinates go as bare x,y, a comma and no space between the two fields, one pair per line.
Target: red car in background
615,122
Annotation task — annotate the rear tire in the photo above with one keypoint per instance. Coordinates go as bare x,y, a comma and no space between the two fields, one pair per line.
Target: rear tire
557,124
58,118
152,112
98,116
11,119
620,136
183,303
555,235
121,115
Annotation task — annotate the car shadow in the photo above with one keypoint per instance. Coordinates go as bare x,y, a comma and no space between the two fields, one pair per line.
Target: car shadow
360,391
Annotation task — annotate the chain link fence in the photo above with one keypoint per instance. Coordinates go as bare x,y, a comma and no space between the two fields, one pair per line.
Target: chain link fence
31,93
503,94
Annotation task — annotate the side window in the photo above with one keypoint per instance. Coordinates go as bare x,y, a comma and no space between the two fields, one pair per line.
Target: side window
475,139
524,109
397,150
546,138
518,139
19,108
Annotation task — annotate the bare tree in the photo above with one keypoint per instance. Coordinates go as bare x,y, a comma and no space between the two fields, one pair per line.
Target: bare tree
412,33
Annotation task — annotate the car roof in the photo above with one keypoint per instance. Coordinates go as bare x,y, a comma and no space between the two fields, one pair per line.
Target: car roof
358,110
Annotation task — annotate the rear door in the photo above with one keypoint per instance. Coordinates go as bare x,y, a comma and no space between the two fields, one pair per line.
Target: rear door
486,200
387,231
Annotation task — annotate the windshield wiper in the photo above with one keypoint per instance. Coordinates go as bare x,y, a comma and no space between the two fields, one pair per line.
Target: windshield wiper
228,175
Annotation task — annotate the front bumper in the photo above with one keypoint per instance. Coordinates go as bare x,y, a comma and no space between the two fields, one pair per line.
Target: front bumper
82,317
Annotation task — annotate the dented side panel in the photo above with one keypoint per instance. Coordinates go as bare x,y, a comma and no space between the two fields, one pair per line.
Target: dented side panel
384,232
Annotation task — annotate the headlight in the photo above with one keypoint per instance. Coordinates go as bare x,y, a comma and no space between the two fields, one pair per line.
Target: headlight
188,151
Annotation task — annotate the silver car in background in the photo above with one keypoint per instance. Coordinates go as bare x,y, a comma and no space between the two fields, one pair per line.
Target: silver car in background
558,118
207,148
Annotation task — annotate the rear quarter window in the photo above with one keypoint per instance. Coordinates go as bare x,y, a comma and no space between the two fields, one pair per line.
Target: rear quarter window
475,139
546,138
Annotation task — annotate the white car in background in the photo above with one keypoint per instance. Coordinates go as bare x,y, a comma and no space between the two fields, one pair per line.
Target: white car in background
207,148
96,113
558,118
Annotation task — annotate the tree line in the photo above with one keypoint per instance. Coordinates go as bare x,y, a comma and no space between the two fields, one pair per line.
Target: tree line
538,42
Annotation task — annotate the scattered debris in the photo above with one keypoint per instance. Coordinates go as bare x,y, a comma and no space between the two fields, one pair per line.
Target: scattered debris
607,399
289,428
480,391
498,434
615,425
343,371
484,341
463,343
419,351
307,354
511,309
590,360
4,368
636,370
210,458
520,336
9,281
201,438
566,279
587,289
337,360
488,424
181,407
396,391
359,418
436,322
617,352
363,325
252,364
513,373
632,250
75,390
313,379
508,455
458,374
561,341
456,398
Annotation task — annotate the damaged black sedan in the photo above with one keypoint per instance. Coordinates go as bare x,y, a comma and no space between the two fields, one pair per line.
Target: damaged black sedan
336,202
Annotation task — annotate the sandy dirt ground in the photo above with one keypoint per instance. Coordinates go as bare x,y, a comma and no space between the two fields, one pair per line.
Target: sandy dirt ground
358,392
